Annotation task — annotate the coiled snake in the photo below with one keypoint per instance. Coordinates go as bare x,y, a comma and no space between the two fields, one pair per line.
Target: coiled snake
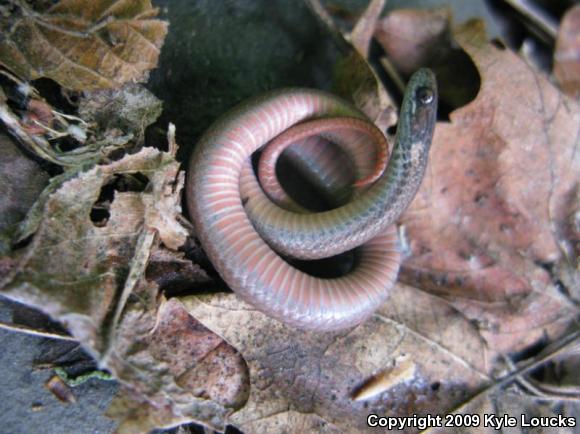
244,232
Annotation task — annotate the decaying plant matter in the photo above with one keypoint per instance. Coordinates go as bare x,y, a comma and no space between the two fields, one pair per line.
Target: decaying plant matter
93,234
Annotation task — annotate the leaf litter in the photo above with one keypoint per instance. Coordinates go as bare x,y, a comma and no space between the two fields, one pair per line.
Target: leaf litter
106,235
81,45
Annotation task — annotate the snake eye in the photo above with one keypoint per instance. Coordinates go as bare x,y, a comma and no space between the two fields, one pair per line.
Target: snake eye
425,95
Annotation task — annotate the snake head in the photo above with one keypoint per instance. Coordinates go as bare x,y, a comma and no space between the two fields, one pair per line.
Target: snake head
419,109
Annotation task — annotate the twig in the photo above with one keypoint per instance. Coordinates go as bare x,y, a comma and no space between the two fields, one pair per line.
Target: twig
541,393
548,354
35,332
23,86
70,117
324,17
536,16
393,73
362,33
38,145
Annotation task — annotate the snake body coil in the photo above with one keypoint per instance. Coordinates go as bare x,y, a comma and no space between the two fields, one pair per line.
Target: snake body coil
244,232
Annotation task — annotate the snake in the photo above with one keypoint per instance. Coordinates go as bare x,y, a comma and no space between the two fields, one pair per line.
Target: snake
251,237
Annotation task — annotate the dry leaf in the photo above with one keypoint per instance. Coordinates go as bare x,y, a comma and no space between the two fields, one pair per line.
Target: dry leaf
174,369
413,38
303,381
567,52
131,109
21,182
84,266
489,225
72,267
82,44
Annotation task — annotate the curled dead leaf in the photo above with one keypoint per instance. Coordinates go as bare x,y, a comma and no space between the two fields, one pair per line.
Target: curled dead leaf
82,44
416,38
83,263
412,38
